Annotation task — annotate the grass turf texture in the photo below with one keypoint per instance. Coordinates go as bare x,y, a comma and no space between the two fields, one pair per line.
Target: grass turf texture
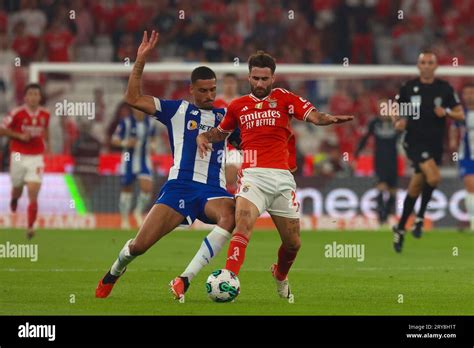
431,280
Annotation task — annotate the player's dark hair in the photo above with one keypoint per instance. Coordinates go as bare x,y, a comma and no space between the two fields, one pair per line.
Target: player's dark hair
202,73
262,59
31,86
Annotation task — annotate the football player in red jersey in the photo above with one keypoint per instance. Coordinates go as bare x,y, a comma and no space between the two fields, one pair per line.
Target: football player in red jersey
234,157
263,117
27,127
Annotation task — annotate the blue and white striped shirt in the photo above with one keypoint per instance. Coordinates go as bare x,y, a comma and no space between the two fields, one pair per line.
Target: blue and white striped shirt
185,121
139,156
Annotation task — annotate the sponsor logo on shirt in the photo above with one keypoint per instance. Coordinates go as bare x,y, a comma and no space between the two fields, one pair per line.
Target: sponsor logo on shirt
192,125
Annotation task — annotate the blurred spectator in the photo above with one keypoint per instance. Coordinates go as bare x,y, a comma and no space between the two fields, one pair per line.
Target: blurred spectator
3,19
57,44
410,42
295,32
24,44
360,15
7,60
127,48
105,14
34,18
84,23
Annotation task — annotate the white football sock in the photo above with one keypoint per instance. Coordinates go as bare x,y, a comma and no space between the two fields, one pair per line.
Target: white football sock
122,261
142,200
210,247
125,203
470,208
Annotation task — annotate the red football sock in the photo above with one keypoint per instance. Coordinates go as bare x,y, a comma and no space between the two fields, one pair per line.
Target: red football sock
32,212
236,252
285,260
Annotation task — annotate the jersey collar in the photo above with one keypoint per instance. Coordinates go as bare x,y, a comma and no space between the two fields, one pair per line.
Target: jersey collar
32,113
254,98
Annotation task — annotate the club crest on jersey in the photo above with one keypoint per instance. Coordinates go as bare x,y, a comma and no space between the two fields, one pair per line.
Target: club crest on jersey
272,103
416,89
245,188
219,116
192,125
194,112
259,105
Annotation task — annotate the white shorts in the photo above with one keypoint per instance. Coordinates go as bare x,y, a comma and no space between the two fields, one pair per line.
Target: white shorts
233,158
273,190
25,168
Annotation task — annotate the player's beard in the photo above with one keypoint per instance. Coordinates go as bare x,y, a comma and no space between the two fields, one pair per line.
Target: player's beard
208,106
261,92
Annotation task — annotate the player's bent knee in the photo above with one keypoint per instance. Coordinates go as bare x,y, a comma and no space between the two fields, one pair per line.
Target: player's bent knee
243,226
293,246
434,180
227,222
136,248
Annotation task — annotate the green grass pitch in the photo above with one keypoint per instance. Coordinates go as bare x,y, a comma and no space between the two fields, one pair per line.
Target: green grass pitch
430,278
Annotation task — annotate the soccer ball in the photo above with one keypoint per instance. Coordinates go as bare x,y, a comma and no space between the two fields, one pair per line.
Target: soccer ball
222,286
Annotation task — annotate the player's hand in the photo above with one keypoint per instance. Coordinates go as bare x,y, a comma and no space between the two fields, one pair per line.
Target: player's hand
147,45
400,124
440,111
24,137
341,118
128,144
203,145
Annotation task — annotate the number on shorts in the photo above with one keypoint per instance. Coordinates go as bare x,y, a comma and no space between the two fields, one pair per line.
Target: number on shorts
294,202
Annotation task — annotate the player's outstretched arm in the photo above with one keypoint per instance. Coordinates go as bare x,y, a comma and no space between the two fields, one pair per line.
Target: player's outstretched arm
322,119
133,95
205,139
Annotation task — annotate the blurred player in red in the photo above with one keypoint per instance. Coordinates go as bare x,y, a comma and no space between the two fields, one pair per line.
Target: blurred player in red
230,88
263,117
27,127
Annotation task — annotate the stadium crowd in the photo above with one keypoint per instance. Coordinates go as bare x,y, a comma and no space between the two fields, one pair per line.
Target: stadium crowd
294,31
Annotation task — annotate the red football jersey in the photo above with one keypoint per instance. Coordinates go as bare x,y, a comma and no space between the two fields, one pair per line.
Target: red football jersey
21,121
57,45
265,126
26,47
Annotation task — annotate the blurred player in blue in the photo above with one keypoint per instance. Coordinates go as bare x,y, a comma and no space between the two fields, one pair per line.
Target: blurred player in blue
466,148
196,186
136,134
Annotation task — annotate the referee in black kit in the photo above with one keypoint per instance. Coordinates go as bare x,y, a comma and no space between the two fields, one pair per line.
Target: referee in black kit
424,104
